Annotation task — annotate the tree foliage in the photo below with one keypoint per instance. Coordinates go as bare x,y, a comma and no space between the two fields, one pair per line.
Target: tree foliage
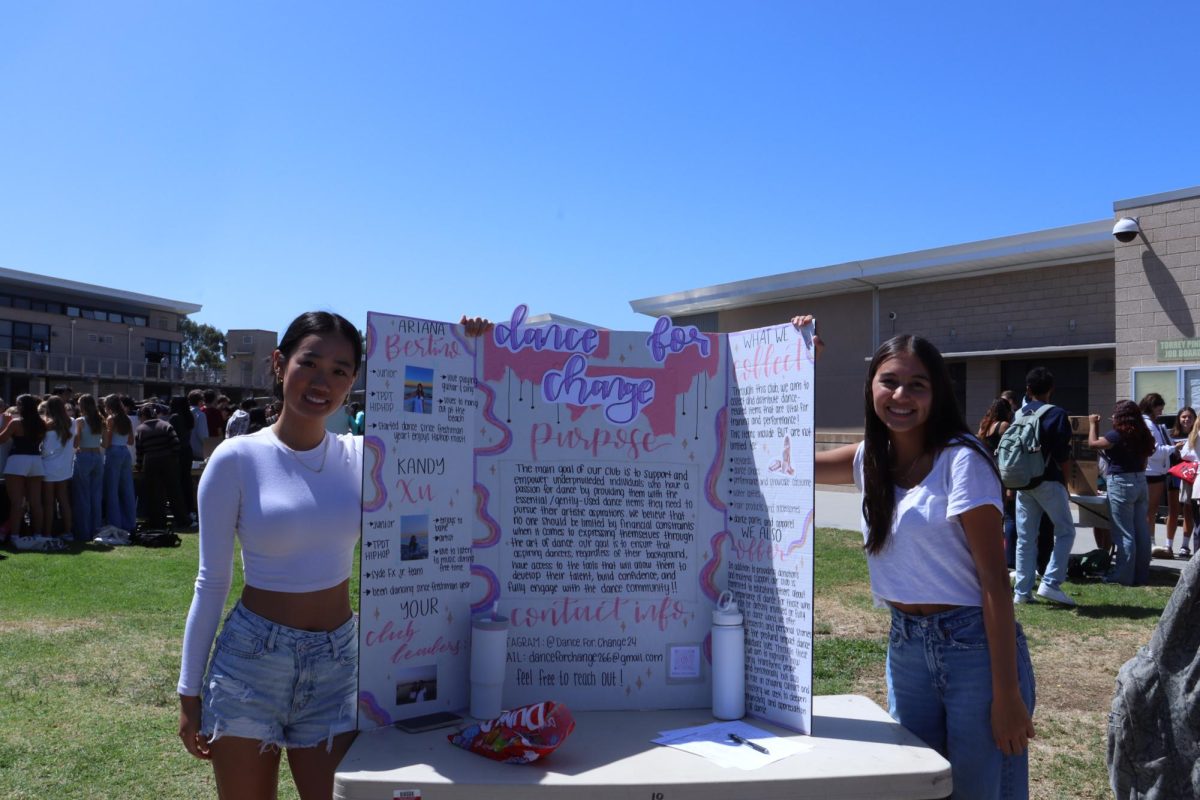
203,345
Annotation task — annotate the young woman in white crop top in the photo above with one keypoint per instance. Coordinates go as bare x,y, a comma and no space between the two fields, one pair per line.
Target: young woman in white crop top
283,674
958,668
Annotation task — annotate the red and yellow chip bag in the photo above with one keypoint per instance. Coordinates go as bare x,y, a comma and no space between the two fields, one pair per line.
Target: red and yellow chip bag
520,735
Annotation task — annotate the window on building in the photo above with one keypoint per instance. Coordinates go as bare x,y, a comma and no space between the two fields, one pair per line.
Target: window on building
24,336
247,339
1179,386
162,350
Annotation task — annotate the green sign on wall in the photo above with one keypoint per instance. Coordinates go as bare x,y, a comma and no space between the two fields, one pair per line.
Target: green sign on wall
1179,350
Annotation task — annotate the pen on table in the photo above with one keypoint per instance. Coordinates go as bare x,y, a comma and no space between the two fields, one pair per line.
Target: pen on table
745,741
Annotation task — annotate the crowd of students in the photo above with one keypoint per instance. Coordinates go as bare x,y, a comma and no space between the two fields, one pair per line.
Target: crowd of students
1135,458
69,462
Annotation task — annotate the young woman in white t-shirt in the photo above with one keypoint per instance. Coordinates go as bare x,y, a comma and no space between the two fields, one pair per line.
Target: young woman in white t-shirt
958,668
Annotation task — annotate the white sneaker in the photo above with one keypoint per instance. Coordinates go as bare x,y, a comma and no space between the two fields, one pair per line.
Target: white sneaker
1022,599
1055,595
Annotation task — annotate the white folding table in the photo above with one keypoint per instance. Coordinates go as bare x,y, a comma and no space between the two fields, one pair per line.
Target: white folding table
858,751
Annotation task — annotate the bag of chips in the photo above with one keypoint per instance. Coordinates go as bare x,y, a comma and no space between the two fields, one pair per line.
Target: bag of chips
520,735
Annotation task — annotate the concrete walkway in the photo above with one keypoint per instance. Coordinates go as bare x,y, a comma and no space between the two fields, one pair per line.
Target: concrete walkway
841,507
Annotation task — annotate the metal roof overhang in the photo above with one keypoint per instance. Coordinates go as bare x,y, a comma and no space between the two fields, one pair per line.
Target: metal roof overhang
92,292
1071,244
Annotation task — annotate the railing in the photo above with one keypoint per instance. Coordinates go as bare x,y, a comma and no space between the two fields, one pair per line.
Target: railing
97,367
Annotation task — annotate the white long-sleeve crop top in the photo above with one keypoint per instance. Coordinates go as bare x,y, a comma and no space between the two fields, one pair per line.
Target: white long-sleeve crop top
926,558
297,515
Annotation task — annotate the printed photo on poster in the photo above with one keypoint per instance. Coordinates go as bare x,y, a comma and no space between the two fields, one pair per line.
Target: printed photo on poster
418,390
414,537
416,685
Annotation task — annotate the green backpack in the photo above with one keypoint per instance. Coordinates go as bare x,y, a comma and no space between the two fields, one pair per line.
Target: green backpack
1019,457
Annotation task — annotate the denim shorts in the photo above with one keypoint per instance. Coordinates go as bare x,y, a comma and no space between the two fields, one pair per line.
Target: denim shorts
24,466
282,686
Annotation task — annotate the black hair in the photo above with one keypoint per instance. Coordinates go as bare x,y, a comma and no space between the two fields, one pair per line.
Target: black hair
318,322
944,427
258,419
247,404
1039,380
32,424
179,405
312,323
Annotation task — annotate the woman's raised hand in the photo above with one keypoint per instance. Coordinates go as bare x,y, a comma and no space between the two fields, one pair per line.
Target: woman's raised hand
476,326
818,344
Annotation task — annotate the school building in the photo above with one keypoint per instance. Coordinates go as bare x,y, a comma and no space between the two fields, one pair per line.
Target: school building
1111,319
101,340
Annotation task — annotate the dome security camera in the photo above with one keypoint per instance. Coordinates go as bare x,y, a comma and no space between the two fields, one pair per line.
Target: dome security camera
891,315
1126,229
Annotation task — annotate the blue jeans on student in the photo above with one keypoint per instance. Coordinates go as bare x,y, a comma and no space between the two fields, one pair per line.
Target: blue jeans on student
939,679
1129,506
1050,497
87,494
119,501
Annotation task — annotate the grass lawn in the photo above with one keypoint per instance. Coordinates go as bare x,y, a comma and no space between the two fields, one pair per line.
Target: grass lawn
89,655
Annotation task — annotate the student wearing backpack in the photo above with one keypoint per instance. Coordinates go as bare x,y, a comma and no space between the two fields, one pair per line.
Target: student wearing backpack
1046,493
958,668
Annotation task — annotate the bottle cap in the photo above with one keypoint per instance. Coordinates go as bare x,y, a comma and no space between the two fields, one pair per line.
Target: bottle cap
726,612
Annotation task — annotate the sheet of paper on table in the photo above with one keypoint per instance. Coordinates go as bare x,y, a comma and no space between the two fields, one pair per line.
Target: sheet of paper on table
712,741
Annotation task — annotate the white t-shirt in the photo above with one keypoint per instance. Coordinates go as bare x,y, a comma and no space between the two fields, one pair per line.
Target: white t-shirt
926,558
296,513
1160,461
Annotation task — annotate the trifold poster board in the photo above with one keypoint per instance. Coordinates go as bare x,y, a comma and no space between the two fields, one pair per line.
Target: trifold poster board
598,488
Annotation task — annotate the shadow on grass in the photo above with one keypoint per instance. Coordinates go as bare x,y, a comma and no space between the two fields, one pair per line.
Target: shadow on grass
1111,611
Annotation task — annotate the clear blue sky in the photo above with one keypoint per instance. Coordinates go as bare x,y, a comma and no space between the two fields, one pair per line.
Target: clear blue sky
263,158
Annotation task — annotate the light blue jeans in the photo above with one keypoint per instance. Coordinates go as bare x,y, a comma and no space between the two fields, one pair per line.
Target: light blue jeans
120,504
939,679
87,494
1128,506
1049,497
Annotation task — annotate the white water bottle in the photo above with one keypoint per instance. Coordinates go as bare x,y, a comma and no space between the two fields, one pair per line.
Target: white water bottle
728,660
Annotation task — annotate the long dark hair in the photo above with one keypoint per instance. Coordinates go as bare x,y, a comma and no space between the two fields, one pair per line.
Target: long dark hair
54,408
116,410
32,424
945,427
1178,432
1150,402
1127,421
999,411
318,322
90,414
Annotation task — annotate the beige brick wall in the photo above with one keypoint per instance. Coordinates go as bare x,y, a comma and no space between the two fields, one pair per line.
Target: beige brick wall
974,313
1157,276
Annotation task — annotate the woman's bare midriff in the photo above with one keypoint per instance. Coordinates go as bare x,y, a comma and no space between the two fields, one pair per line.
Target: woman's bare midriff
922,609
322,610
